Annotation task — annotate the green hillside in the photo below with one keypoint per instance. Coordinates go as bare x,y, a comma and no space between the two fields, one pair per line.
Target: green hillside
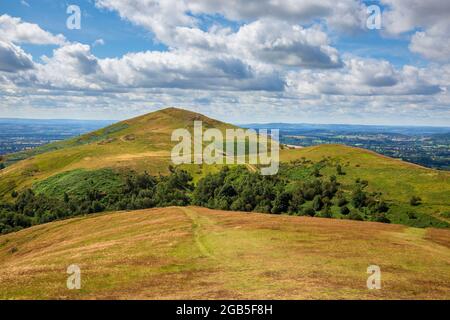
142,143
93,171
397,180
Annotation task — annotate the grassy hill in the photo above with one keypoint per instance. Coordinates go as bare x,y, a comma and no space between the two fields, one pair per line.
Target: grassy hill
99,159
142,143
396,179
197,253
192,252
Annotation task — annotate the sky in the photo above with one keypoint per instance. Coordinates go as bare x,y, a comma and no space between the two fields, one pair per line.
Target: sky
240,61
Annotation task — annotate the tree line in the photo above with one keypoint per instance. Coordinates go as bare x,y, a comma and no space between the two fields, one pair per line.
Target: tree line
234,189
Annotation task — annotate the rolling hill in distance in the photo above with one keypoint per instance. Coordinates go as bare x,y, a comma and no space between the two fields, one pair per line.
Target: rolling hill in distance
182,251
426,146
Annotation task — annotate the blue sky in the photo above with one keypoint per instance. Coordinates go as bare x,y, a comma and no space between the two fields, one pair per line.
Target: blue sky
240,61
119,35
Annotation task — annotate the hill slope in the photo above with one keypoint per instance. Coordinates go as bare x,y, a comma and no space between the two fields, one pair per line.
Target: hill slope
396,179
142,143
196,253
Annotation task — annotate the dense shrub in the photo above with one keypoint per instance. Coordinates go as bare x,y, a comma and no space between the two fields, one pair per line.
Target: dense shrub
415,201
241,190
345,210
339,170
341,201
317,203
381,217
359,198
308,211
354,215
235,189
139,191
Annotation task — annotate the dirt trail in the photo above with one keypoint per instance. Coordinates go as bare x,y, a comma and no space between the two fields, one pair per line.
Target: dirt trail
197,229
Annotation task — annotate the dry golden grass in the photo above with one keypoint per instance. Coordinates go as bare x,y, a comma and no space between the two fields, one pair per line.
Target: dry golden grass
197,253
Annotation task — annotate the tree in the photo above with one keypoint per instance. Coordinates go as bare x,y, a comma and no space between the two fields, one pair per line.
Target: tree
317,203
296,201
339,170
381,217
2,166
341,201
411,215
309,212
415,201
359,198
345,210
355,216
326,212
309,193
382,207
316,172
281,202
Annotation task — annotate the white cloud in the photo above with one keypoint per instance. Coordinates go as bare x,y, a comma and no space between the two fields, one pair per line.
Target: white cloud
158,16
162,17
431,45
265,41
98,42
13,58
365,77
269,40
280,43
343,15
431,16
15,30
405,15
72,67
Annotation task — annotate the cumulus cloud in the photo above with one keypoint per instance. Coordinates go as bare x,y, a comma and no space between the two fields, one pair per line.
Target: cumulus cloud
405,15
343,15
365,77
284,44
163,17
267,39
431,45
72,66
13,58
15,30
432,16
159,16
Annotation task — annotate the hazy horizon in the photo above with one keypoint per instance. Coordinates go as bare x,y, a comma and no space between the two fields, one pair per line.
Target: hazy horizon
236,123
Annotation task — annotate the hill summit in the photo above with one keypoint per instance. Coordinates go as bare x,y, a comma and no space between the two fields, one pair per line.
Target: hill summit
142,143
